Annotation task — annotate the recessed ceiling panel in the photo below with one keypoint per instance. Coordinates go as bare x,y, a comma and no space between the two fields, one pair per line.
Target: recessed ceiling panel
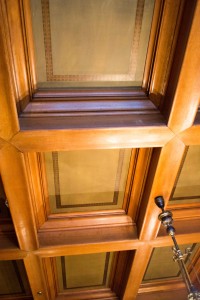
91,43
187,187
162,265
84,271
13,279
87,180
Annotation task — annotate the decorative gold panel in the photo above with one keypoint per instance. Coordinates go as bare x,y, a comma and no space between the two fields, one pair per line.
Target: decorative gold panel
162,265
187,187
87,180
83,43
13,279
84,271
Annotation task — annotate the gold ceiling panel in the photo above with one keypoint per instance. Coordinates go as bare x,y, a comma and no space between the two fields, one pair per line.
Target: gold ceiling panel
187,187
91,43
87,180
84,271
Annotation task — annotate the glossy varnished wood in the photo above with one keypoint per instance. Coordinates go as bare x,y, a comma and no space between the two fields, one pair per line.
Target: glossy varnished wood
9,121
166,42
108,118
14,177
107,138
160,182
183,85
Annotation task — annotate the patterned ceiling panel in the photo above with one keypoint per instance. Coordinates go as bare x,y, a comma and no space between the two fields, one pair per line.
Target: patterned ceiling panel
85,42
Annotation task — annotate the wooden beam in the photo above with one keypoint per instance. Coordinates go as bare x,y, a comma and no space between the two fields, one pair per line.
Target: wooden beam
160,182
182,97
36,277
9,122
137,271
15,180
58,140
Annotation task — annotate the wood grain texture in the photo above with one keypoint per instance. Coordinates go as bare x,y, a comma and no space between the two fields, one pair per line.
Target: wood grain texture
157,17
139,263
108,138
7,93
87,220
191,136
11,254
36,279
18,48
94,240
166,42
126,119
183,88
38,191
160,182
162,285
13,173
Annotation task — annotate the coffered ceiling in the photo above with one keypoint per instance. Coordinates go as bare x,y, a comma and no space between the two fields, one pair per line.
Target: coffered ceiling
99,115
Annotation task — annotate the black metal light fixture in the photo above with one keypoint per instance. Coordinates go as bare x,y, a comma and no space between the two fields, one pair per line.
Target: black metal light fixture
166,219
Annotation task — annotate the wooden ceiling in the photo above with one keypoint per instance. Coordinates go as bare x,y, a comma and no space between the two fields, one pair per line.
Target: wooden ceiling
155,122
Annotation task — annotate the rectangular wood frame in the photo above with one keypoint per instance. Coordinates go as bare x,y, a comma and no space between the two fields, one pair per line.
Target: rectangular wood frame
170,82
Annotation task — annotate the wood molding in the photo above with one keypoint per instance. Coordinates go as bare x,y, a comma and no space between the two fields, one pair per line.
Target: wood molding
15,181
165,47
161,285
36,277
191,136
160,182
183,89
140,262
8,96
108,138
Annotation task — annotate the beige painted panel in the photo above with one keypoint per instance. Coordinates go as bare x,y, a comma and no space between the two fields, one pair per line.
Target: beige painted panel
187,188
81,271
87,180
84,43
162,265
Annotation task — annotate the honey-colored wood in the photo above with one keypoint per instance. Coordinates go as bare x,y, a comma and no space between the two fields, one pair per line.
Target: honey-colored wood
35,165
166,42
28,36
11,254
86,220
157,17
131,120
160,183
167,285
50,274
9,122
190,136
89,295
17,45
139,263
165,240
58,140
36,279
14,177
139,179
187,90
